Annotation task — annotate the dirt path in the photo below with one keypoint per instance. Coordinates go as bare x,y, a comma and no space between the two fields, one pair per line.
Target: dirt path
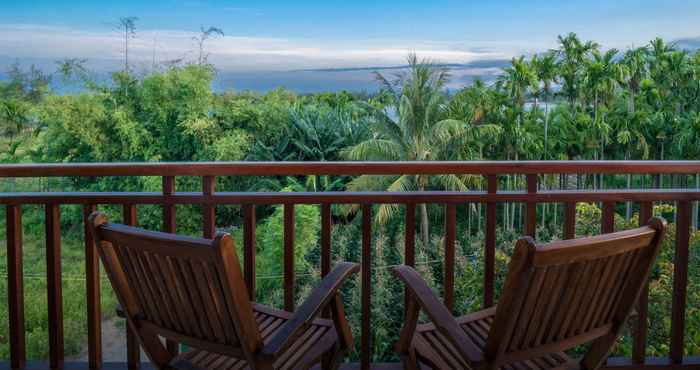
113,344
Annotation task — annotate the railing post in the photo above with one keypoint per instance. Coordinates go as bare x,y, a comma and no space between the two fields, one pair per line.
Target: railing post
133,348
289,236
409,245
680,282
208,209
169,226
531,210
169,218
92,288
569,220
249,248
608,222
450,236
490,243
640,332
326,227
15,282
366,339
53,285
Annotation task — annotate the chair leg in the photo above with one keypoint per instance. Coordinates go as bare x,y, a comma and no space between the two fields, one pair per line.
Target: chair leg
409,360
331,360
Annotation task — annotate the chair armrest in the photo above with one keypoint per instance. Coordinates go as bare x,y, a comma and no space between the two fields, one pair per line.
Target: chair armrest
439,315
312,306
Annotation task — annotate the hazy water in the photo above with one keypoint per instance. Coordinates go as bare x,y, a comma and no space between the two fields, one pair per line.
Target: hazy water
303,82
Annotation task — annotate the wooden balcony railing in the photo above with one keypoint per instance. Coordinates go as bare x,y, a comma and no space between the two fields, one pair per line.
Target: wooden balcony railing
209,198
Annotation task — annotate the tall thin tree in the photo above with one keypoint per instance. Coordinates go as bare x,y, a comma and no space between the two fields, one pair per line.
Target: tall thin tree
127,25
205,35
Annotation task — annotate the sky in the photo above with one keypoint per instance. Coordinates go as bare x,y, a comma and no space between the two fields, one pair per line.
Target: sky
292,35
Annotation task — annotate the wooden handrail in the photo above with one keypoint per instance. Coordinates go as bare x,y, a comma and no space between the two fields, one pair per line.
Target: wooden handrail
346,168
374,197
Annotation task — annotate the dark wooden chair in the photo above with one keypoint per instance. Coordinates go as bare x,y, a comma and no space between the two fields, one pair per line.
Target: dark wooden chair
191,291
556,296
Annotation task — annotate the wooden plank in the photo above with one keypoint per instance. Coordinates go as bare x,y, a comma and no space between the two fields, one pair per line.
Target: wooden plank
410,237
169,218
289,236
326,229
680,282
490,244
531,207
249,248
450,236
208,210
346,168
409,245
92,289
170,226
366,289
569,220
374,197
641,330
15,283
53,285
608,221
133,348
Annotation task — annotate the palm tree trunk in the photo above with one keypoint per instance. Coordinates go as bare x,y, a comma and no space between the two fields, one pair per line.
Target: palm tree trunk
546,127
696,206
425,224
628,211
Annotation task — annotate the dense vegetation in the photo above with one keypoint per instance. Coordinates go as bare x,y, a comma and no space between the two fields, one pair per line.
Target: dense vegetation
575,102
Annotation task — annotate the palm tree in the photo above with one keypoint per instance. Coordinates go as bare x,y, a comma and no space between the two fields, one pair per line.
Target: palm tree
634,69
546,71
416,130
572,53
517,81
601,76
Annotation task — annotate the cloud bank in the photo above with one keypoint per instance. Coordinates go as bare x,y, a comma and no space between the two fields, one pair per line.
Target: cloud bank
105,49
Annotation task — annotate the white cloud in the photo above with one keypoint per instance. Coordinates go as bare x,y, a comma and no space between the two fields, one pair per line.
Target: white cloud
233,52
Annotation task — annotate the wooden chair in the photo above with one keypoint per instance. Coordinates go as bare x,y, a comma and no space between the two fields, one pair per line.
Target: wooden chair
191,291
556,296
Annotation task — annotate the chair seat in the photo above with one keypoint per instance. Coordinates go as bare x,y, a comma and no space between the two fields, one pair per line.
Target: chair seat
318,338
436,351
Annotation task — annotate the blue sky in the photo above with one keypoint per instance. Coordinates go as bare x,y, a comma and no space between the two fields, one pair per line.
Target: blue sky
282,35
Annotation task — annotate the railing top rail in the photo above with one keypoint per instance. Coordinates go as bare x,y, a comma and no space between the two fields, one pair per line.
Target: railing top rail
374,197
345,168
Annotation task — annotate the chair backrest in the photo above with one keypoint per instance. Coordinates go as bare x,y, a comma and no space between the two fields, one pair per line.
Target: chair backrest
566,293
187,289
